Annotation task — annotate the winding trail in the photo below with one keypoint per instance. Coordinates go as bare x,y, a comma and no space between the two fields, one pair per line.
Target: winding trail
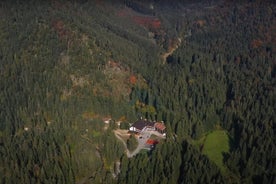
144,136
142,140
167,54
117,134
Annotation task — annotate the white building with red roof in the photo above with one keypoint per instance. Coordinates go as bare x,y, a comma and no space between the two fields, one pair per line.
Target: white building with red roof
142,125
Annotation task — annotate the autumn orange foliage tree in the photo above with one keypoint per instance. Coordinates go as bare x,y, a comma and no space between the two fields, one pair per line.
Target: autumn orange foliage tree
132,79
256,43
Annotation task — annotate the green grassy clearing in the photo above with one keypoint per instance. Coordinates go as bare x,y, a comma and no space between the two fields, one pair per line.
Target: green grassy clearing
216,143
213,145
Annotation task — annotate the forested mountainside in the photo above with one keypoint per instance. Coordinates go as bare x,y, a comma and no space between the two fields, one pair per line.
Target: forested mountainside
205,68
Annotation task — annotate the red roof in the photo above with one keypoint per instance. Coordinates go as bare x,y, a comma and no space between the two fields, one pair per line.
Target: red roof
152,142
160,126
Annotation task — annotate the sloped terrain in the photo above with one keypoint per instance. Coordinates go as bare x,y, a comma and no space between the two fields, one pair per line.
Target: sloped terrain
67,67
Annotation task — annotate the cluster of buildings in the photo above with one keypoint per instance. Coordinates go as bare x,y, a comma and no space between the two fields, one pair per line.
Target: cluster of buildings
145,125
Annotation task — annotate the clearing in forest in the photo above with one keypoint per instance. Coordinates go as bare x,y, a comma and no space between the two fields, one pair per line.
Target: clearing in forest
215,145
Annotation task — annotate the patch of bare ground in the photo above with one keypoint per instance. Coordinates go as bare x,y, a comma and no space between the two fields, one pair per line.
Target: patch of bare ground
66,93
172,47
79,80
64,59
120,79
122,133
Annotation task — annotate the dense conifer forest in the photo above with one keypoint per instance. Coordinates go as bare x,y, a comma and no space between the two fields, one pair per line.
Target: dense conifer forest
205,68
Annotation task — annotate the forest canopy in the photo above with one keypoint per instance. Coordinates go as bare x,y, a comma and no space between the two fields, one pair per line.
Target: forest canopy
205,68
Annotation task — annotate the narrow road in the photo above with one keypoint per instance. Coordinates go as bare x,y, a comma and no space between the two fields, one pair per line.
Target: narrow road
142,139
167,54
117,134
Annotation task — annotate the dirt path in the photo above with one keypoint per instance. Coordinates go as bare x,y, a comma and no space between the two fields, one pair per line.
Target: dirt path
144,136
141,142
142,139
167,54
118,135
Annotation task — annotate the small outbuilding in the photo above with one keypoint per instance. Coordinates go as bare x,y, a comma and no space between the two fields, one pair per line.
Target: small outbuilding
160,127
